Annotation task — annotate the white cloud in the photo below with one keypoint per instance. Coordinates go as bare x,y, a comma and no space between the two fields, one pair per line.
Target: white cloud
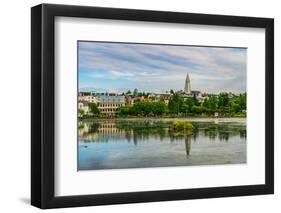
152,66
120,74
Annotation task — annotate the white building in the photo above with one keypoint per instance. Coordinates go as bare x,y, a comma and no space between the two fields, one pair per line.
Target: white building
87,98
83,105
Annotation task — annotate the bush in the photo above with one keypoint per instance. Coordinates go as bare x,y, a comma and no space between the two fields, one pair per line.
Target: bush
182,125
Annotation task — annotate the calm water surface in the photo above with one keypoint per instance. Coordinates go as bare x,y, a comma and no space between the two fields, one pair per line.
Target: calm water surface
142,143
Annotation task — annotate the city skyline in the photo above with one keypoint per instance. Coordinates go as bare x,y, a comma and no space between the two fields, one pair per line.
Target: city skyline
119,67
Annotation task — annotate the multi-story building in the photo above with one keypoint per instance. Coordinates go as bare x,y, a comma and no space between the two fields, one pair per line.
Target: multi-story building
110,104
87,98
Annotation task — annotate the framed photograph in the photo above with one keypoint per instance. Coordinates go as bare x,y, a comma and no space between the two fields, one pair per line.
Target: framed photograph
139,106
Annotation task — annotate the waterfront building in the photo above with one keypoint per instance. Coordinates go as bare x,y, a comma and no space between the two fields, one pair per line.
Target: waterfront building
87,98
110,104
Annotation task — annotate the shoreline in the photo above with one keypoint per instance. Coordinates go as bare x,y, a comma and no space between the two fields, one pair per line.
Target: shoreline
202,119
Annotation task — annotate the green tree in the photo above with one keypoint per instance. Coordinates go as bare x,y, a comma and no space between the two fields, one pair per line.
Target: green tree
144,109
124,110
135,93
239,103
81,112
211,103
159,108
86,93
226,104
175,104
223,100
196,110
242,101
195,101
186,105
94,109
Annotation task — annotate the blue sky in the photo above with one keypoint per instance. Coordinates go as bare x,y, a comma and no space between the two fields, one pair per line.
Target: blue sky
119,67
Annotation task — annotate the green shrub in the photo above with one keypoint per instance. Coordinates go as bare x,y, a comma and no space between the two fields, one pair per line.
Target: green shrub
182,125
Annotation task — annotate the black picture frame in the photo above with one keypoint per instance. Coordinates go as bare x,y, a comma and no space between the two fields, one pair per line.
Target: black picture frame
43,105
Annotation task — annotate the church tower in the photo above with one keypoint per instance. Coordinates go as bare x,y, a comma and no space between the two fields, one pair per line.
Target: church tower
187,87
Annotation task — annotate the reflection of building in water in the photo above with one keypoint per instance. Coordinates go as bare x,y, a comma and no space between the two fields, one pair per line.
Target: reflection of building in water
100,132
129,132
187,142
110,104
85,132
83,128
110,129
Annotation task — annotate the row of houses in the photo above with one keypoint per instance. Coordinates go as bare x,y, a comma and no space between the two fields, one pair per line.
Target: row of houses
109,104
106,103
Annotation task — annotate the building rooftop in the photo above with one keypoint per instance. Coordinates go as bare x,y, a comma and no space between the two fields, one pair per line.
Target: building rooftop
111,99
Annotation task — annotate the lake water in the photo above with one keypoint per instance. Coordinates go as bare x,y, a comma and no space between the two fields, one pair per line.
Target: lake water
143,143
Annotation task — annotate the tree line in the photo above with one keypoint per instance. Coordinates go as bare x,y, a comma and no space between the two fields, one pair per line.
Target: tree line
225,104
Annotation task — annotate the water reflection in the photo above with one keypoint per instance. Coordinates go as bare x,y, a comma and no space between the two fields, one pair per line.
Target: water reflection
187,143
108,131
103,130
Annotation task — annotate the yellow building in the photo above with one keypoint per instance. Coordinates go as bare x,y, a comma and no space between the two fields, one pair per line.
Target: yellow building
110,104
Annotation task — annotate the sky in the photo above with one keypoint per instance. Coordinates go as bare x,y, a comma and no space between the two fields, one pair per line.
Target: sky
119,67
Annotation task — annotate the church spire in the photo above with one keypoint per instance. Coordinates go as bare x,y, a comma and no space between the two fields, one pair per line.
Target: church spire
187,87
